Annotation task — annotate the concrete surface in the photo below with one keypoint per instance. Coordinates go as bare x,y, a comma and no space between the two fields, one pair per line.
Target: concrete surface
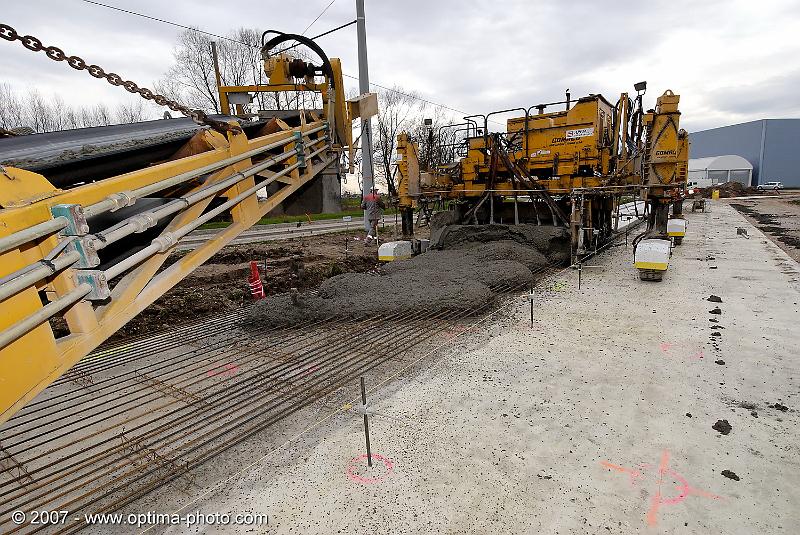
596,420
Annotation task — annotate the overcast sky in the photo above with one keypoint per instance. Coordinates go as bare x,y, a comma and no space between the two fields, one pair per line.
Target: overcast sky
731,61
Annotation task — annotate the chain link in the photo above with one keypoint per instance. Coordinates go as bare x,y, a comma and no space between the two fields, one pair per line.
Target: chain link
56,54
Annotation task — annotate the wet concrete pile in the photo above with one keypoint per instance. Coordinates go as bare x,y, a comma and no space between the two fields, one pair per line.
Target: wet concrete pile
474,264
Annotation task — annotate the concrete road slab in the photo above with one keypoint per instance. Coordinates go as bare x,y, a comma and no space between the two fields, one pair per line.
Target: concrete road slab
601,418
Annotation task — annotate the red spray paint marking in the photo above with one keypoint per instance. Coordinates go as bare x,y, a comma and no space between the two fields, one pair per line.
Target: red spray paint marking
312,369
387,463
453,332
641,473
227,370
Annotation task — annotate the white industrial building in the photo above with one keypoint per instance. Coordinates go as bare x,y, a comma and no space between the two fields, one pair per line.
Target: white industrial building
705,172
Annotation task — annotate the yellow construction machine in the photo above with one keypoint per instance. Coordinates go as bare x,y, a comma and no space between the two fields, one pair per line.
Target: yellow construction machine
571,168
83,241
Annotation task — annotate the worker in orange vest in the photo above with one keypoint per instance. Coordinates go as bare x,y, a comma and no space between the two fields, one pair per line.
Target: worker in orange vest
373,207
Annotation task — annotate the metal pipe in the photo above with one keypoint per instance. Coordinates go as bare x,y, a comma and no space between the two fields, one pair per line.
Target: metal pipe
43,314
119,200
165,241
31,233
27,277
143,221
486,123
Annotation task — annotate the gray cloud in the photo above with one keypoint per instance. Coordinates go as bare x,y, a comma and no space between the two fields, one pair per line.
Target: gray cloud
727,59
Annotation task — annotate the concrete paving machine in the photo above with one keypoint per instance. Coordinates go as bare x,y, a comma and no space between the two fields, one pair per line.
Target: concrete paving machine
571,168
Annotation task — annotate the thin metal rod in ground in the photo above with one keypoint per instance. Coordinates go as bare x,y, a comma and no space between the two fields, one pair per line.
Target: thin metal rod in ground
530,297
366,421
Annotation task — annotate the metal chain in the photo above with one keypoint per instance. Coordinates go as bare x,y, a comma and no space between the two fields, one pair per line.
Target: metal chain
56,54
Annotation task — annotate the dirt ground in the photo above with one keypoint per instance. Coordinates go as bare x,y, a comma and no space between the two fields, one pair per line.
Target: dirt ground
778,218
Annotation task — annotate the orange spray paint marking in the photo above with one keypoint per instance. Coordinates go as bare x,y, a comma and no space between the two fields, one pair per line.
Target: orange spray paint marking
662,475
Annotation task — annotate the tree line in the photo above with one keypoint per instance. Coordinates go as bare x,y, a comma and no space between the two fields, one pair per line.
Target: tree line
29,111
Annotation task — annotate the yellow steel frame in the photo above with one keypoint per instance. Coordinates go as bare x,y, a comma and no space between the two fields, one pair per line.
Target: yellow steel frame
548,147
34,360
342,120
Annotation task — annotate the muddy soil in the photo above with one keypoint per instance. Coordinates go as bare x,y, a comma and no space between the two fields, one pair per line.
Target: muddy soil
778,218
731,189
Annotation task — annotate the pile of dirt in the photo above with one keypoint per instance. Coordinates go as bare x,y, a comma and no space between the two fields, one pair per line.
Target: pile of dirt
466,275
730,189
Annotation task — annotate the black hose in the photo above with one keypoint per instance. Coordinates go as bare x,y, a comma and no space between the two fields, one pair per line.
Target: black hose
326,68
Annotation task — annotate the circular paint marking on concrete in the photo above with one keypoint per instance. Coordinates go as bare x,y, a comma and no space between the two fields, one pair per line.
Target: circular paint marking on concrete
360,463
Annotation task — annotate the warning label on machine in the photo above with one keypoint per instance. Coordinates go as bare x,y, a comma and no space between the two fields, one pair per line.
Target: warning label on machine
579,132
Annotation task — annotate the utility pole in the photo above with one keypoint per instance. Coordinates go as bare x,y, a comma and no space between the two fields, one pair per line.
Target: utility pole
363,87
217,75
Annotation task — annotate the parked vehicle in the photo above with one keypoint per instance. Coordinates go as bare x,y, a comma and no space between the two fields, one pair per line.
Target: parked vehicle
770,185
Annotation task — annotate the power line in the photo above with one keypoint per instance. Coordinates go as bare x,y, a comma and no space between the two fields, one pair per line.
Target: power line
393,90
345,25
165,21
318,16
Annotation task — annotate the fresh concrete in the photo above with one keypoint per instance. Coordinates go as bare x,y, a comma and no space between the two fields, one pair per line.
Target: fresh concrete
574,425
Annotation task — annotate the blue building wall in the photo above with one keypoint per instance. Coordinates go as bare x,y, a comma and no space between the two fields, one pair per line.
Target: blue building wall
772,146
781,159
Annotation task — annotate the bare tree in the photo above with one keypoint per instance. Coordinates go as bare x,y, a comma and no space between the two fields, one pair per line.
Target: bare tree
38,113
51,114
129,112
191,79
11,109
439,143
397,111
